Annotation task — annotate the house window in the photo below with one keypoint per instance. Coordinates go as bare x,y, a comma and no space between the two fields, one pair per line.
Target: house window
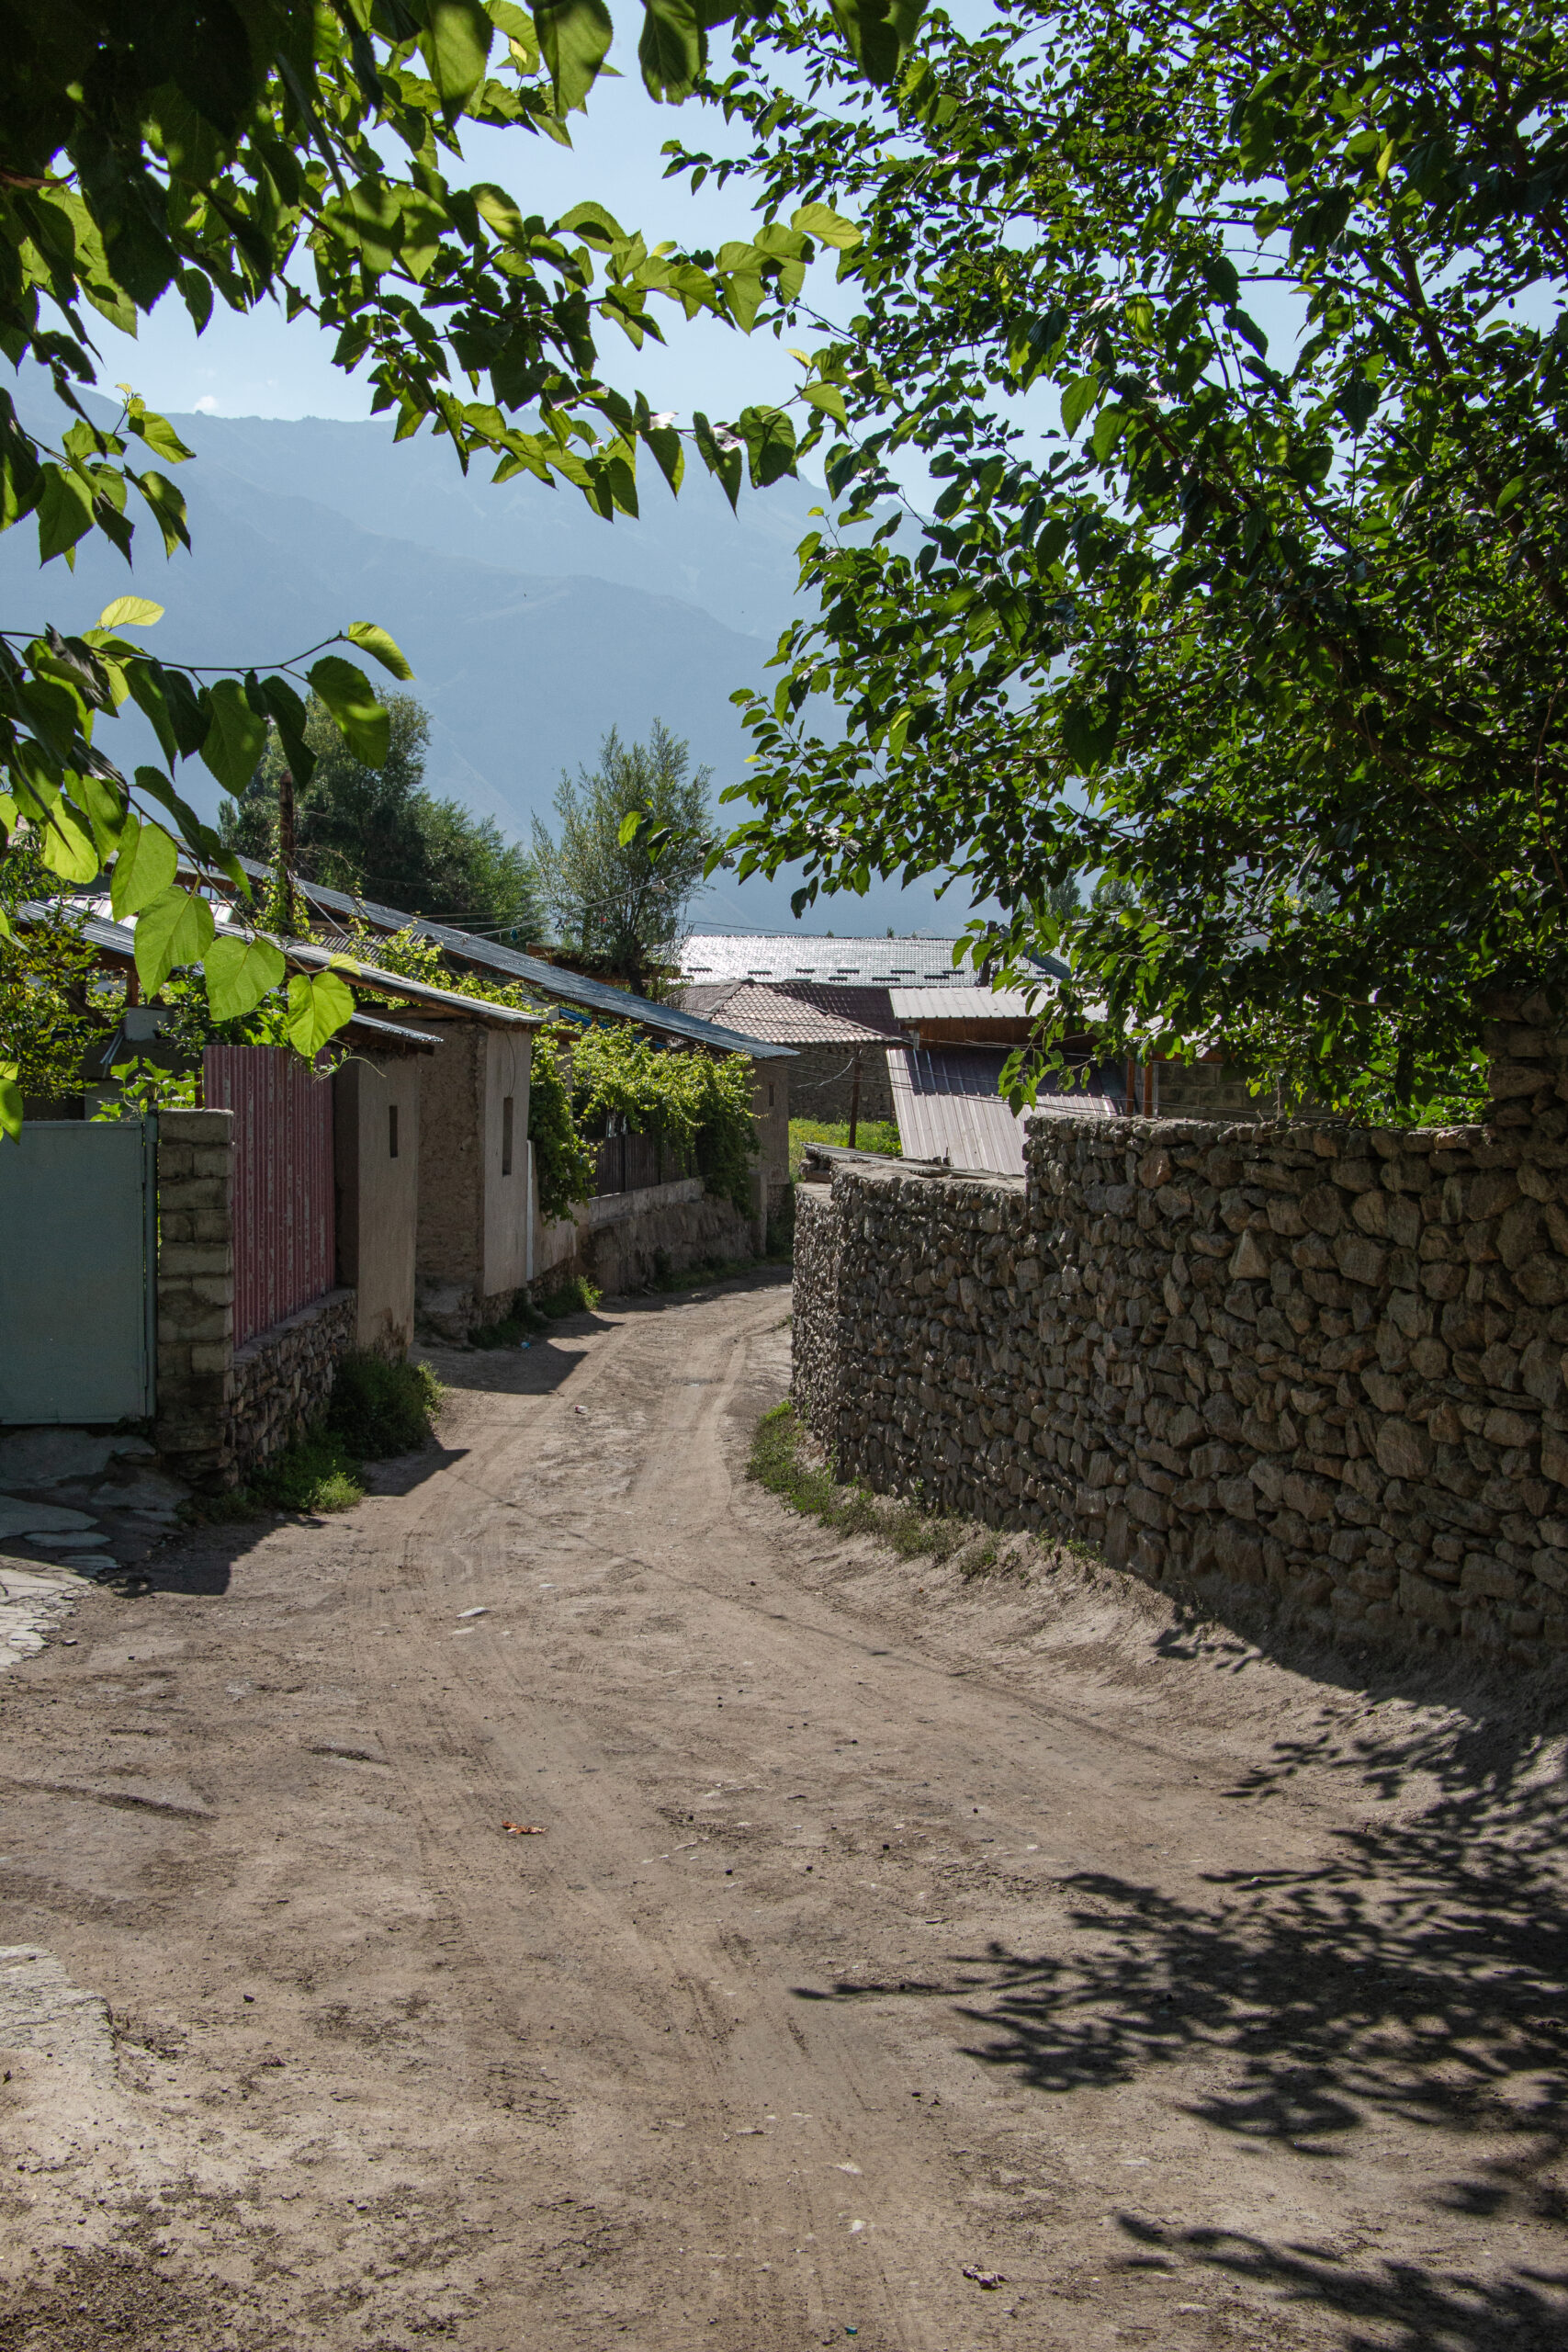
506,1136
391,1131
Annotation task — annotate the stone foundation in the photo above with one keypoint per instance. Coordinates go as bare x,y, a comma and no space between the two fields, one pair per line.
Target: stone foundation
283,1378
1320,1363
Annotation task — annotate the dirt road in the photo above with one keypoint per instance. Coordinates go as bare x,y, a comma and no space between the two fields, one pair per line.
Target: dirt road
888,1935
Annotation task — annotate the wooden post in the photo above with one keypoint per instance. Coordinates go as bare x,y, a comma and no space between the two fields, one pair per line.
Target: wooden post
855,1100
286,848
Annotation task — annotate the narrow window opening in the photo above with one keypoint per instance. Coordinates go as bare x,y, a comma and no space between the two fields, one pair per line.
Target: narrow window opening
506,1136
391,1131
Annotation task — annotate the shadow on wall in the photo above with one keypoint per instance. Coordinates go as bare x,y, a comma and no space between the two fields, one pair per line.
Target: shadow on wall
1412,1987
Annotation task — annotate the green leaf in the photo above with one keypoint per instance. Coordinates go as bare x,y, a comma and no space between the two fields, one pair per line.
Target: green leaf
159,434
631,825
10,1102
289,714
240,972
64,512
574,41
318,1008
380,646
108,810
830,228
130,612
66,846
879,33
177,928
1109,427
455,47
828,399
499,211
236,738
144,868
594,225
769,443
360,719
673,50
1077,402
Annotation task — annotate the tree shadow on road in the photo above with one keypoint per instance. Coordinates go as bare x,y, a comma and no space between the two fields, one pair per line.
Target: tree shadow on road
1413,1981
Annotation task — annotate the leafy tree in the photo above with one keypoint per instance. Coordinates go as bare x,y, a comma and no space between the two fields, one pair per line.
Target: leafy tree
298,151
378,833
48,1018
618,894
1234,335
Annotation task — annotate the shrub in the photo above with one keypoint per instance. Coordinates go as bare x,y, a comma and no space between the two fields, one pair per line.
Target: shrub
378,1409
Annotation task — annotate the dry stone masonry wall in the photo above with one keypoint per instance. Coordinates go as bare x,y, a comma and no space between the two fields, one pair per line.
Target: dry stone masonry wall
1324,1361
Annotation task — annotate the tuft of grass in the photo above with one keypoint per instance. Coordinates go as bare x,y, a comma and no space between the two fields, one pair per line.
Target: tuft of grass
809,1488
376,1408
576,1295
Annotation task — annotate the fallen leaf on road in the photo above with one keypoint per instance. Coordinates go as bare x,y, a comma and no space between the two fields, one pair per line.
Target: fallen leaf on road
522,1828
983,2277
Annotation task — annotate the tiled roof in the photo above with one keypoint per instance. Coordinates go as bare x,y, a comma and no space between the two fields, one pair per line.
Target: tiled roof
779,1016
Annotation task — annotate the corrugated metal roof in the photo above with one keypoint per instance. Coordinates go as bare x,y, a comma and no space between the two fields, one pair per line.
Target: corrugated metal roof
961,1004
708,957
947,1106
779,1016
547,979
791,955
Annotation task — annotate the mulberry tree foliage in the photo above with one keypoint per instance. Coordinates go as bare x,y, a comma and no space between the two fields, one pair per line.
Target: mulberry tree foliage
1229,340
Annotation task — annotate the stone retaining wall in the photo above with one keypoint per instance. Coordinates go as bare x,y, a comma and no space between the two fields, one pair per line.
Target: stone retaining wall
1321,1362
283,1378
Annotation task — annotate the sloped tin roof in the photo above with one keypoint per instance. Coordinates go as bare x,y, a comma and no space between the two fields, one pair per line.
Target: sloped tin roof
947,1105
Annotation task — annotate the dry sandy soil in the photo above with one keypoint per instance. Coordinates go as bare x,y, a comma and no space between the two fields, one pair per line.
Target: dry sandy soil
937,1964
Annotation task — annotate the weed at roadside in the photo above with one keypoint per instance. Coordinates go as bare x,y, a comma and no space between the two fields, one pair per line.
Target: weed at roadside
574,1296
811,1489
376,1409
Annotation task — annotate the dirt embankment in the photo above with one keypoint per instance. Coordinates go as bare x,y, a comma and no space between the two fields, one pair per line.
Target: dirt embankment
941,1965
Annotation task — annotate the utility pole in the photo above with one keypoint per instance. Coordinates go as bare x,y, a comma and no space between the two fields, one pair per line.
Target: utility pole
855,1100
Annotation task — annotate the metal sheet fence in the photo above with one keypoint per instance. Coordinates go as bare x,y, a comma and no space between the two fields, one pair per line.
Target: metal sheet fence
625,1163
285,1227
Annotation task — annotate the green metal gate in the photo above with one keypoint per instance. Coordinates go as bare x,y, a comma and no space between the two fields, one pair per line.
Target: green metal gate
78,1260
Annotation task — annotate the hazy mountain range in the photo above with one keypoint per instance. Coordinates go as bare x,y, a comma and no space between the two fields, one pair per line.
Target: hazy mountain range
532,626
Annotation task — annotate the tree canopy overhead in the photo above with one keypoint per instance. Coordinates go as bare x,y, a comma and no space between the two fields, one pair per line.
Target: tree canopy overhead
307,153
1234,336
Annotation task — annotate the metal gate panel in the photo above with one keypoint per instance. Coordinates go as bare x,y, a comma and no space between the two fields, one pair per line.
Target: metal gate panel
78,1255
285,1209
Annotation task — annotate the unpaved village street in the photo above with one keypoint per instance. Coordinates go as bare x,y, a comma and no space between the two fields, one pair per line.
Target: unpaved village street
909,1961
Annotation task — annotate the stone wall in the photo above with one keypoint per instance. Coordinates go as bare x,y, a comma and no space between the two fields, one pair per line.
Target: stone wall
220,1412
196,1287
619,1239
1324,1363
282,1379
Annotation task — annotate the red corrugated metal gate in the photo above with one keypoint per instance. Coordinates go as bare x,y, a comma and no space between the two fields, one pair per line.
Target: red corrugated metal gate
284,1232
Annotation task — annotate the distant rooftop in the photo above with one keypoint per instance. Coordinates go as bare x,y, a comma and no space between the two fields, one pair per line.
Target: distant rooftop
773,956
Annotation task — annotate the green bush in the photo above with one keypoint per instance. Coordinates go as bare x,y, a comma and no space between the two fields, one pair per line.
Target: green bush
576,1295
378,1409
375,1408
